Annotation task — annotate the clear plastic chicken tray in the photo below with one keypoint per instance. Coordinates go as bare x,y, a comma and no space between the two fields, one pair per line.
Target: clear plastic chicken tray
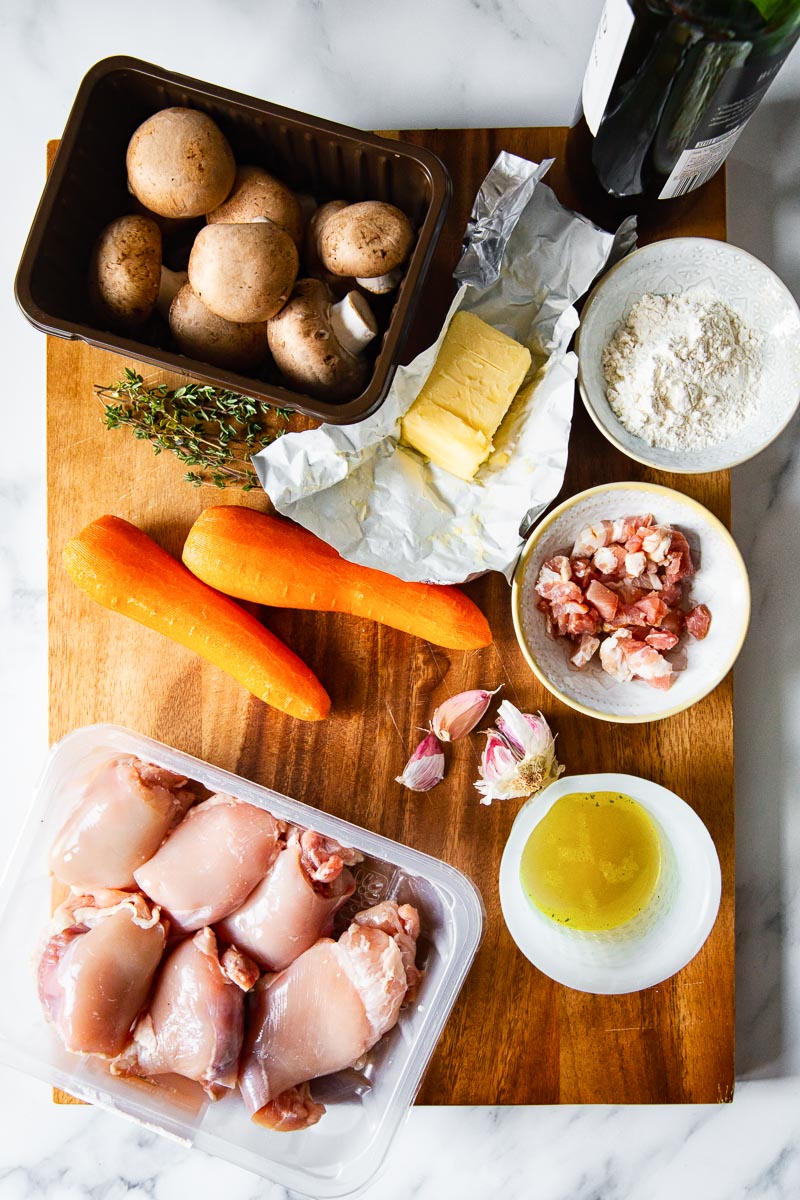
344,1152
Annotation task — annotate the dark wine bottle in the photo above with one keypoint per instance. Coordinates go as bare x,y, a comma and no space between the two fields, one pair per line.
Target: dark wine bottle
668,89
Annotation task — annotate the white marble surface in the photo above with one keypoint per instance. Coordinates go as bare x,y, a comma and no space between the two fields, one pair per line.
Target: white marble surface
382,65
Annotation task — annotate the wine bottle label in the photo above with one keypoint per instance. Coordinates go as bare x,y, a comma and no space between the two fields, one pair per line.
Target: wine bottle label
731,107
609,46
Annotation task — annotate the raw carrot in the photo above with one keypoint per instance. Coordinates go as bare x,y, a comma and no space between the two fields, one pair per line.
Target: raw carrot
124,570
272,561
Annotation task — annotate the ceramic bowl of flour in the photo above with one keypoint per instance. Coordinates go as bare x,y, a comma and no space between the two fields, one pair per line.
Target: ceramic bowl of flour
720,582
683,371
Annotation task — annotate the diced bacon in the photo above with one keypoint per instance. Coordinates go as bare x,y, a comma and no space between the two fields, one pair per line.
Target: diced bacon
561,566
656,543
563,608
698,621
603,599
581,569
632,614
661,639
579,624
654,609
662,682
609,560
629,592
625,527
672,594
674,621
633,544
591,538
646,663
611,657
679,660
556,591
635,564
586,650
679,563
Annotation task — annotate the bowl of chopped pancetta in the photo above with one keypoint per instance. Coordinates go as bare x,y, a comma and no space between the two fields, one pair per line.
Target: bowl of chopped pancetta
630,602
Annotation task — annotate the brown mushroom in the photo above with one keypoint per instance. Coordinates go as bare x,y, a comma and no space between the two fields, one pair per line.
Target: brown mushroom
368,240
312,240
243,272
125,272
179,163
317,344
171,283
200,333
258,196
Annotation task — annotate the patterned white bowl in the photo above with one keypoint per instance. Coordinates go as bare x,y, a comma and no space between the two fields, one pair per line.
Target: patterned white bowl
748,286
721,583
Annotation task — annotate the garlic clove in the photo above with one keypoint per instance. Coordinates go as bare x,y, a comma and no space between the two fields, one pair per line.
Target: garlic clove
458,715
525,733
425,768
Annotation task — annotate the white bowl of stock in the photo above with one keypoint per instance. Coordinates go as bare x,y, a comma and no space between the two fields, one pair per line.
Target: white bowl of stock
747,286
676,888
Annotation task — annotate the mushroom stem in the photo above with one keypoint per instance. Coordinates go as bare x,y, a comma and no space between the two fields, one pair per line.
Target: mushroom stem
379,285
352,323
171,283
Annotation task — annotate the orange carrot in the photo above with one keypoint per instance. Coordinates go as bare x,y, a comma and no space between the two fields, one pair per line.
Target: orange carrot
271,561
124,570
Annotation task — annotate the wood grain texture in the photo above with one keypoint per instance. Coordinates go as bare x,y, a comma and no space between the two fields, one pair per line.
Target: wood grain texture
515,1037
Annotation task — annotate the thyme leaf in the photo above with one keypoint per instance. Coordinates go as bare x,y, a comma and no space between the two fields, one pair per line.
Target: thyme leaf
210,429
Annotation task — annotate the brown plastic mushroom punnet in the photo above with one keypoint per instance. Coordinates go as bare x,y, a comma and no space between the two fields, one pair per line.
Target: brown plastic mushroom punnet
258,196
317,343
179,163
369,241
243,272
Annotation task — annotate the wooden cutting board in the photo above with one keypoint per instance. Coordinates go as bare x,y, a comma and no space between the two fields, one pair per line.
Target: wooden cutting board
514,1037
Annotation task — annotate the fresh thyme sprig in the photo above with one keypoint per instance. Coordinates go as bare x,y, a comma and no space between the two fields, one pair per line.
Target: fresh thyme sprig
207,428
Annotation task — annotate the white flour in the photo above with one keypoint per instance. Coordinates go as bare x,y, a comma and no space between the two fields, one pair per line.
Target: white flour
683,371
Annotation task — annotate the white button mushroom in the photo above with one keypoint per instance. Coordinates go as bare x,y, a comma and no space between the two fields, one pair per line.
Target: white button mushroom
243,272
179,163
317,344
368,241
125,272
259,196
203,335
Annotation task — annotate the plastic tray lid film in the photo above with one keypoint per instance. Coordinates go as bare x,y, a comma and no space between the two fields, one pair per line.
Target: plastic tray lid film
345,1150
87,188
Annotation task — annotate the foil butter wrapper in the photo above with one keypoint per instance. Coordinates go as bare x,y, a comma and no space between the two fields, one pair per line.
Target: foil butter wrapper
526,260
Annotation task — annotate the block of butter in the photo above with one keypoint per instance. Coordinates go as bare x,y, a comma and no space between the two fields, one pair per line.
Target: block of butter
468,392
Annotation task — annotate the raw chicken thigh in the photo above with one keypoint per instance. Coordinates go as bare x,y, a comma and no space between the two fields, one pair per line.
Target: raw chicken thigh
125,812
95,973
211,862
325,1011
295,903
195,1024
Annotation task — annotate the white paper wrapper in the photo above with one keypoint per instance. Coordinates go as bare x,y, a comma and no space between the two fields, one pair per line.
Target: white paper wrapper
526,260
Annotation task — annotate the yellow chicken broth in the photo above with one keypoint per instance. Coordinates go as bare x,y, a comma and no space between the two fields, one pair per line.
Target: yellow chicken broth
593,862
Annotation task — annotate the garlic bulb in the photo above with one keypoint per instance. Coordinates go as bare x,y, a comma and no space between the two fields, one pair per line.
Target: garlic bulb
519,756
